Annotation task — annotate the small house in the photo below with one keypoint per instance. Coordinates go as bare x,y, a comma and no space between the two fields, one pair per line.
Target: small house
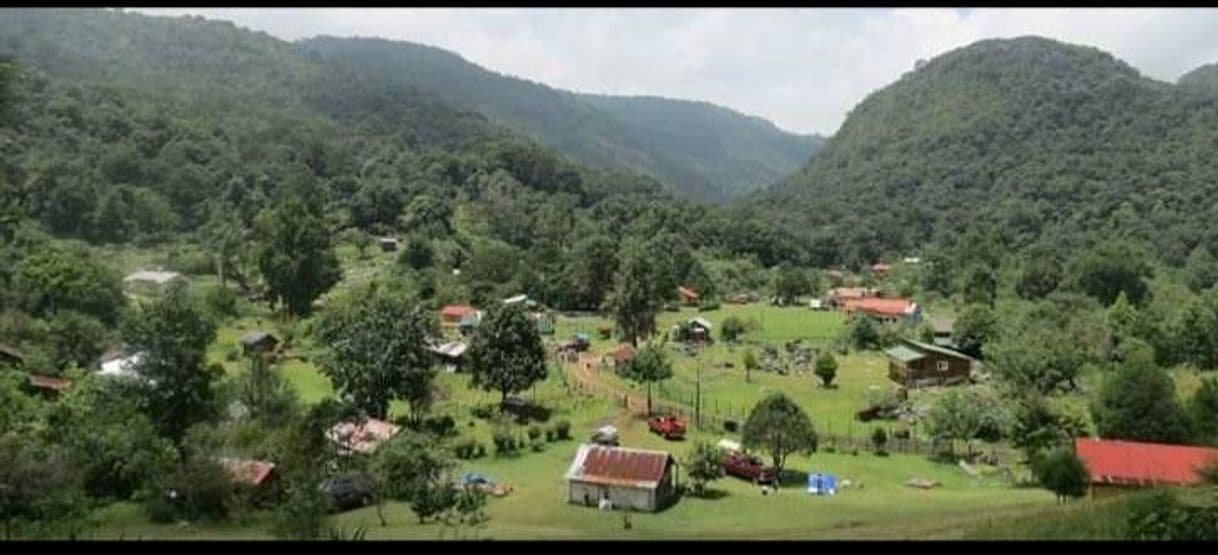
11,356
634,479
258,342
886,310
688,296
151,280
389,244
454,313
121,363
451,355
48,386
699,329
942,329
917,364
1125,464
363,436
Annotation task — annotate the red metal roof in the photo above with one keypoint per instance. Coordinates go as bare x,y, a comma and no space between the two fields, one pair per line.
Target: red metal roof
248,471
47,382
621,466
881,307
1136,463
456,311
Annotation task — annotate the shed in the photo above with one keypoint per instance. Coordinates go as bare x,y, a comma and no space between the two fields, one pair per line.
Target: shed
688,296
451,354
363,436
637,479
258,342
246,471
151,279
9,355
917,364
1133,464
454,313
47,384
389,244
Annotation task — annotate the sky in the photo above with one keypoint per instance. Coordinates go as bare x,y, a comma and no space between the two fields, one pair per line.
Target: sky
802,69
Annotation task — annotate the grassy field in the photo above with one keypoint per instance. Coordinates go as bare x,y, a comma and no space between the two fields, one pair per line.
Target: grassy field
884,508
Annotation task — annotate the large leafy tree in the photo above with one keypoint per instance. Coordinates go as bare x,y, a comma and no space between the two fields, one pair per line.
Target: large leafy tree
173,335
703,465
265,394
295,254
636,299
1034,358
1203,408
1063,473
506,354
790,283
1138,402
378,352
649,365
49,280
779,427
976,326
41,487
1110,269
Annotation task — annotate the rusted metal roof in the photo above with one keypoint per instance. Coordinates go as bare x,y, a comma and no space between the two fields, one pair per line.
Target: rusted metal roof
47,382
456,311
12,353
621,466
248,471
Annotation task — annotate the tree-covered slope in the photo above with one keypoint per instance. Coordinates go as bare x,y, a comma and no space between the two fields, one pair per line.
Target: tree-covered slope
1029,138
699,148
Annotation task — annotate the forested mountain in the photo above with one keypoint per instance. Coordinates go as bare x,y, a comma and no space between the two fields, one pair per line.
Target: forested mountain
701,149
128,128
1029,140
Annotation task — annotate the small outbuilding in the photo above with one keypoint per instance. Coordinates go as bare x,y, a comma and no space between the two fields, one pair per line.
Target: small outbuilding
1116,465
48,386
389,244
623,478
688,296
918,364
362,436
258,342
450,355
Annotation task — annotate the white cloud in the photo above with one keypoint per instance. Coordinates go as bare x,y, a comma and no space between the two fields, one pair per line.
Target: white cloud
801,68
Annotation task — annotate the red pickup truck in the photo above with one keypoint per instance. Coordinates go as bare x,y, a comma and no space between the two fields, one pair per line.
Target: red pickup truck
740,465
670,427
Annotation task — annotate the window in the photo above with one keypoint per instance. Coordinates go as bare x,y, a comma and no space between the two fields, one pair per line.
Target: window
942,364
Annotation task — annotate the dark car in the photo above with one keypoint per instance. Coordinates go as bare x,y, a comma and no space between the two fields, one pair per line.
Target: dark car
750,468
349,492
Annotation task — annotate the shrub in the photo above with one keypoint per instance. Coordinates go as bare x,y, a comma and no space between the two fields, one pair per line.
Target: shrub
232,355
563,429
505,442
442,426
193,262
538,444
534,432
879,438
550,434
731,426
197,490
468,448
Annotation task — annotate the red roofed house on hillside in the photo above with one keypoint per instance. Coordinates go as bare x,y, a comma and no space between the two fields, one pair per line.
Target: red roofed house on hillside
637,479
887,310
688,296
1131,463
453,313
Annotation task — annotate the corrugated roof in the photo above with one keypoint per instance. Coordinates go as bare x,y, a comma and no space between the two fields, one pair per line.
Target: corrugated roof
248,471
883,307
47,382
256,337
365,436
938,349
156,276
687,292
11,352
701,322
1137,463
456,310
600,464
904,354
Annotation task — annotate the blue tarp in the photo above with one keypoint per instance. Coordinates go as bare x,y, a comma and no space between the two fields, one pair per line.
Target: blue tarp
822,484
475,478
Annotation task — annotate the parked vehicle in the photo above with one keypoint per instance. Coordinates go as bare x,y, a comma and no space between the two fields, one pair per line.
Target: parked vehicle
750,468
605,435
351,491
670,427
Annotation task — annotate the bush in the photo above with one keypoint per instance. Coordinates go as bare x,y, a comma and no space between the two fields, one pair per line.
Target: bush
441,426
538,444
731,426
197,490
562,429
220,301
232,355
468,449
505,442
879,438
534,432
550,434
193,262
708,306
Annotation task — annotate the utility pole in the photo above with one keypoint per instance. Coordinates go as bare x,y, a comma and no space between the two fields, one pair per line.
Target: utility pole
698,399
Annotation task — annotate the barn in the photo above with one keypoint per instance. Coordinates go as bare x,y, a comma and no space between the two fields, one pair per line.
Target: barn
1118,465
635,479
918,364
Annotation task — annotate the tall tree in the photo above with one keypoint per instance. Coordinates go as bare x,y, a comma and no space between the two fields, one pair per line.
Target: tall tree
295,255
1063,473
50,280
779,427
634,302
790,283
265,394
378,352
980,285
826,368
506,354
976,326
1203,408
173,336
648,366
1138,402
41,487
703,465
